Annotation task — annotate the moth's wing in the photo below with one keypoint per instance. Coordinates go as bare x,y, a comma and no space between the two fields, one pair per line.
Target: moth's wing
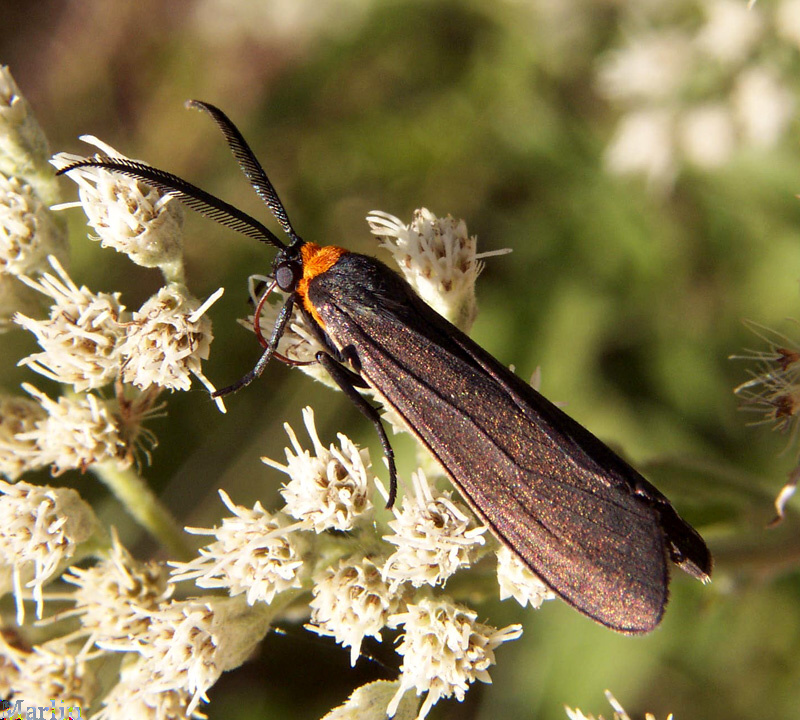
686,547
579,527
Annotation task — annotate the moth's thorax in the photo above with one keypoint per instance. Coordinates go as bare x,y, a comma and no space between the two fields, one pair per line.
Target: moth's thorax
316,260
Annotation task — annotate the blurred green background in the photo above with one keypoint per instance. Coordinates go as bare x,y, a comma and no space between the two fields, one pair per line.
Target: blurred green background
628,292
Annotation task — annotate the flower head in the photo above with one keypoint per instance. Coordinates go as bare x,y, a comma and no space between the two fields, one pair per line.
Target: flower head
166,341
516,580
127,214
435,536
444,649
77,432
643,144
23,146
189,644
352,601
764,106
110,596
18,452
132,699
82,336
328,489
41,529
438,257
651,66
255,552
773,389
49,671
28,233
730,32
707,134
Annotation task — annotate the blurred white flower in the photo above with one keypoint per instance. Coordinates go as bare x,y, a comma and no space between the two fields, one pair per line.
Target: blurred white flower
731,30
698,96
23,145
707,135
643,143
18,452
295,21
763,105
787,21
651,66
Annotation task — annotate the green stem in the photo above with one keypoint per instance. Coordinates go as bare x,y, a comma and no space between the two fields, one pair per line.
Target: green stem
174,272
143,505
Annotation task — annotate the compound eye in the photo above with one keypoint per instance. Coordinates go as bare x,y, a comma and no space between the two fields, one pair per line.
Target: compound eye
287,275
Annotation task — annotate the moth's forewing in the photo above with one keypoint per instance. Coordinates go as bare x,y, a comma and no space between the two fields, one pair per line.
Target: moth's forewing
580,517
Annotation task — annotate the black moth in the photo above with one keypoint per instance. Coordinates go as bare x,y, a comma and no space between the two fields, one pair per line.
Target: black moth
582,519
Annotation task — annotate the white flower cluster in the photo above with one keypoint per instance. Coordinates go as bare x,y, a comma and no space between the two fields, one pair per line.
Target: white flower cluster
357,595
77,432
18,417
80,339
130,699
162,343
29,232
88,340
112,366
699,94
178,652
352,601
44,673
189,644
